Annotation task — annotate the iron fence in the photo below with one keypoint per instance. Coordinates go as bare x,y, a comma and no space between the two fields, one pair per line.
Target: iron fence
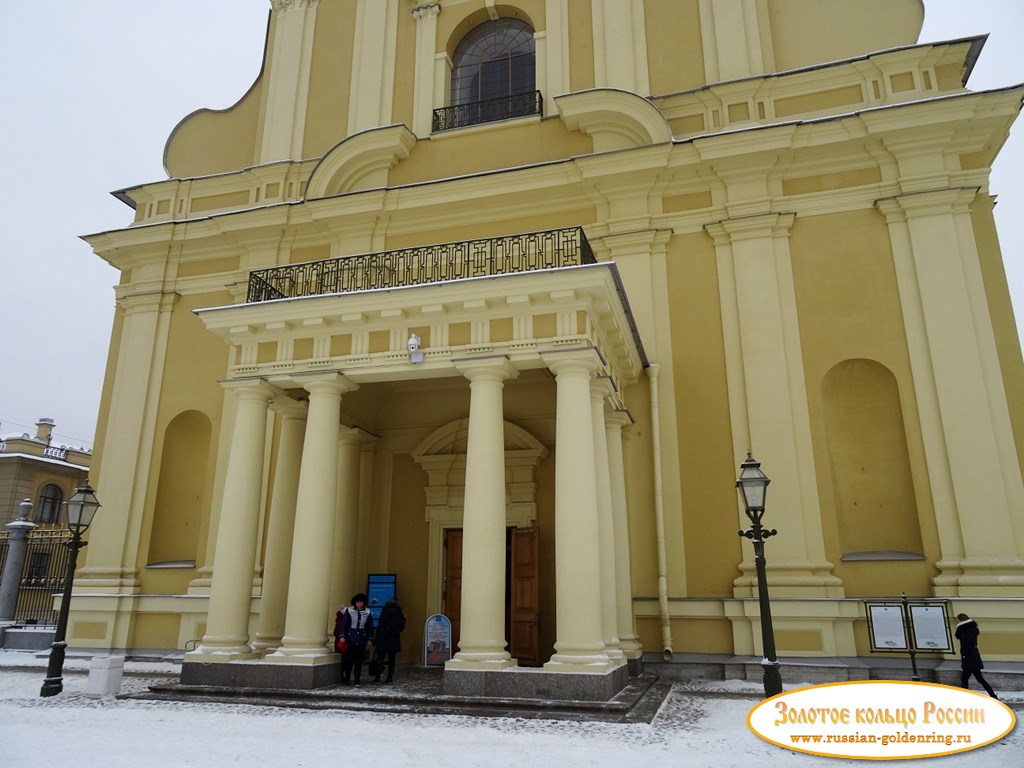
46,560
488,111
424,264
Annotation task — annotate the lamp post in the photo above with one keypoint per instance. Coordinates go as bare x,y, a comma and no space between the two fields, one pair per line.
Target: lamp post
81,507
753,485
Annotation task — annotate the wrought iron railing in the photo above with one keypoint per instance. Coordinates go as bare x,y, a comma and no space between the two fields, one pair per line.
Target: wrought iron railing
42,576
489,111
425,264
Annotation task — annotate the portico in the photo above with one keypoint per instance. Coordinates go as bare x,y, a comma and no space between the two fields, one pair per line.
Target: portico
301,357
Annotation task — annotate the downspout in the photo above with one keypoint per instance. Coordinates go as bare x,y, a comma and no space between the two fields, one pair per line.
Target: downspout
653,370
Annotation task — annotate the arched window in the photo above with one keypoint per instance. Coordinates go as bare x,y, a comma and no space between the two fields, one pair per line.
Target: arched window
495,60
493,75
48,504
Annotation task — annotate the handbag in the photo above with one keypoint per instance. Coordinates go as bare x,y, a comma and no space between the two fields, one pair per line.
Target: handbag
376,665
340,644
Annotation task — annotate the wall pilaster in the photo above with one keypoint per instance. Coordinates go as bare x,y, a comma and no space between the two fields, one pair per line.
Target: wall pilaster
768,398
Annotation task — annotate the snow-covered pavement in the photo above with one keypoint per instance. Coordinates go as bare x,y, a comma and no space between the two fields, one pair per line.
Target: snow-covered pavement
689,730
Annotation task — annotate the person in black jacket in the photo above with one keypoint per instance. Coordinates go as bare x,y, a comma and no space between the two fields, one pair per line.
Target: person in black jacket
970,658
357,629
388,640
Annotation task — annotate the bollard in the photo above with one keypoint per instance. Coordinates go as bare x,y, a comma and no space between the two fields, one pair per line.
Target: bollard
105,676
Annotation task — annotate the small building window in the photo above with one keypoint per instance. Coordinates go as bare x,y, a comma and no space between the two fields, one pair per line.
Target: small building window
493,76
48,504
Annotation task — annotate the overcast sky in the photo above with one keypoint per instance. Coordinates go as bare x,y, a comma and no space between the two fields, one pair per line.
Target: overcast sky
91,90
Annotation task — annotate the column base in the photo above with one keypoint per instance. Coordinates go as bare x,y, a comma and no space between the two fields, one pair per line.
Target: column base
583,665
977,577
631,647
483,662
303,656
788,579
204,654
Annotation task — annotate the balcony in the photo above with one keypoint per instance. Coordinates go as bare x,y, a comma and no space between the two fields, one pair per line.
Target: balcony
441,263
489,111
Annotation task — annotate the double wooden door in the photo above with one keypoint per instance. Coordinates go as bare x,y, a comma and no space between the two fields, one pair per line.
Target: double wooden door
522,591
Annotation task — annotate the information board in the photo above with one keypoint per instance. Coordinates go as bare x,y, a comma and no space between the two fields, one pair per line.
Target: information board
931,627
437,640
888,630
380,587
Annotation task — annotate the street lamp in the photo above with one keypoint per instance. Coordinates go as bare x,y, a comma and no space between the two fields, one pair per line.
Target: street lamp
753,485
80,507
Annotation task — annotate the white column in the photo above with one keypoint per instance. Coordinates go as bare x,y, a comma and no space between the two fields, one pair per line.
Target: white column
579,646
423,84
625,626
227,626
343,575
601,388
306,621
278,558
482,640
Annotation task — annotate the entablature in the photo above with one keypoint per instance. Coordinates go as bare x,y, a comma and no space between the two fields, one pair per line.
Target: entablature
365,334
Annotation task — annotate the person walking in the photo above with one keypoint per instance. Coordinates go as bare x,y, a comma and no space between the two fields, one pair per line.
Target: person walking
357,629
970,657
388,642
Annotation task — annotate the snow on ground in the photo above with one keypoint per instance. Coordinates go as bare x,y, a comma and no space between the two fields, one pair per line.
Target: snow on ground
690,730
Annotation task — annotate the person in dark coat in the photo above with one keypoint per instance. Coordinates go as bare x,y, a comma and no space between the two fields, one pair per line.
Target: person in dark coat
388,639
970,658
357,629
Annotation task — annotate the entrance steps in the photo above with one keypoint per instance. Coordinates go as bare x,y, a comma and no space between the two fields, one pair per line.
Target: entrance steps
419,690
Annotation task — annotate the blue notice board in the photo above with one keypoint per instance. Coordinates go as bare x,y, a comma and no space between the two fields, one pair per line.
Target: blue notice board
380,587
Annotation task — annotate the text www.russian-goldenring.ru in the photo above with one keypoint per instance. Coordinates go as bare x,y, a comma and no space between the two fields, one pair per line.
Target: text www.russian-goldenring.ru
885,739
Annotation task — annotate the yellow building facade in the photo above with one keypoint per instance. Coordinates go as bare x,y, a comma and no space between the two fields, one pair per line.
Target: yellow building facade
495,297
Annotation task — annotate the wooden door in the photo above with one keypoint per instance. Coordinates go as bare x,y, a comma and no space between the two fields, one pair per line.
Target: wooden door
451,595
524,611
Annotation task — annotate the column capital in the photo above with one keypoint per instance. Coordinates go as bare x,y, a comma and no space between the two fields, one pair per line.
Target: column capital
619,418
289,408
496,368
327,383
601,387
424,12
569,361
750,227
251,389
150,301
934,203
284,6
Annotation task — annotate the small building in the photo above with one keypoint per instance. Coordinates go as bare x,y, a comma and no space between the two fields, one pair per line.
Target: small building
495,297
34,468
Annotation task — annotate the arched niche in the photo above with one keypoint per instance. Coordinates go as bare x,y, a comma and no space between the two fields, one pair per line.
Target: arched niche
876,507
442,455
178,512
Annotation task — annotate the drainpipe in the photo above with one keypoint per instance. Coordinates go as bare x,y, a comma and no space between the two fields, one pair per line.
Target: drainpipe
653,370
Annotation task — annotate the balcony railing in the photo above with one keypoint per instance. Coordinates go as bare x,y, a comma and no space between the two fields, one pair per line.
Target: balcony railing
424,264
489,111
